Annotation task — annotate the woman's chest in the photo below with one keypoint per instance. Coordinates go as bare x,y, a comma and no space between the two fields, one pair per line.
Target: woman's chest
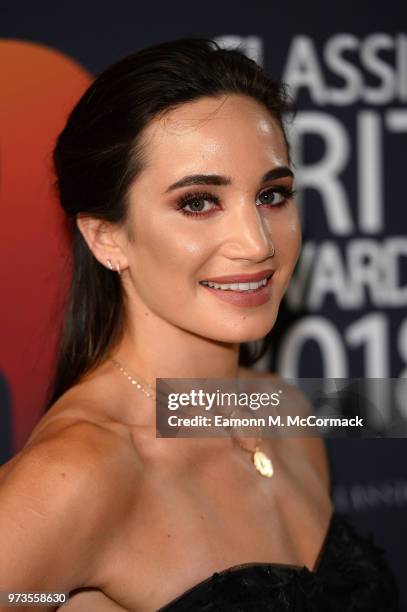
183,526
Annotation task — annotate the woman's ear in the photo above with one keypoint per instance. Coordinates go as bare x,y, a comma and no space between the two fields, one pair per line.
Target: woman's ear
103,239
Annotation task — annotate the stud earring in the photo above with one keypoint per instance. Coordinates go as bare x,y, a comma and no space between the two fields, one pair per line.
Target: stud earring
109,263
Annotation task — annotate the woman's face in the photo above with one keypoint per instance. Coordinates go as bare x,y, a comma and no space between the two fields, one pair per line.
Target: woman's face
228,226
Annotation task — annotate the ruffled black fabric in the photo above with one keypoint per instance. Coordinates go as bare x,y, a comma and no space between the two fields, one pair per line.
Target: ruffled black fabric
352,575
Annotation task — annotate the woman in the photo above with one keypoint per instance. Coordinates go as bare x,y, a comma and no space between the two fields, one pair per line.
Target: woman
174,170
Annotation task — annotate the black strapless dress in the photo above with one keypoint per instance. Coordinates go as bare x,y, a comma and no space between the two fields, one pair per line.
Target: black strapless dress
350,575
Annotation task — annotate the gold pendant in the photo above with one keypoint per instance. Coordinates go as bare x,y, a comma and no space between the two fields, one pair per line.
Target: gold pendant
263,464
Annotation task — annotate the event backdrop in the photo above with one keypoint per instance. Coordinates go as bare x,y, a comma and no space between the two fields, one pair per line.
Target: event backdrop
344,314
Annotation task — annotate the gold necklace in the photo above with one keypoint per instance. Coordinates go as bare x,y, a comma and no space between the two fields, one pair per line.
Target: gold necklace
133,380
261,461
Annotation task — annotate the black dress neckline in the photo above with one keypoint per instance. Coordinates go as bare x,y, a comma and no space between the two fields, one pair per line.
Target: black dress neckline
243,567
350,573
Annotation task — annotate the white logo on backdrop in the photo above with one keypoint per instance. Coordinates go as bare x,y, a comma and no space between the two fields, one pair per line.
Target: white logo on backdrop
360,272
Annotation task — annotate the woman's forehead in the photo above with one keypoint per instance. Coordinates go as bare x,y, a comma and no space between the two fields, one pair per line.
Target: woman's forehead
208,114
214,131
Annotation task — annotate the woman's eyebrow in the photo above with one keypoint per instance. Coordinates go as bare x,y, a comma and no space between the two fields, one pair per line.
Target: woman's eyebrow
217,179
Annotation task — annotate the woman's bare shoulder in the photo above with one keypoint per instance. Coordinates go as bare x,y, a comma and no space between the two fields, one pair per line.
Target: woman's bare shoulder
68,478
79,423
90,403
77,440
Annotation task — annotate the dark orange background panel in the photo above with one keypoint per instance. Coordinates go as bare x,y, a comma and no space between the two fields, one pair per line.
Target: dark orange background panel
39,86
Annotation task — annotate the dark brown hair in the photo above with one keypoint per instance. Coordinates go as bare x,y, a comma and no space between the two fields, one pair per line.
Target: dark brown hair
99,154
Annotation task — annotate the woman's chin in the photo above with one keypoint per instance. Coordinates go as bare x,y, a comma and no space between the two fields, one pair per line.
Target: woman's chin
251,337
243,331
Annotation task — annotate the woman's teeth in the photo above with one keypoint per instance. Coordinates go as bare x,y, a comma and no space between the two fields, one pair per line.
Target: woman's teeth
237,286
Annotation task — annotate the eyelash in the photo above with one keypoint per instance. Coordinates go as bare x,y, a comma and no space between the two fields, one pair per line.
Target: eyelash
193,198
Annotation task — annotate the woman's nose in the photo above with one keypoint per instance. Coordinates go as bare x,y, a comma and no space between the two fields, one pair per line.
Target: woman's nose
248,233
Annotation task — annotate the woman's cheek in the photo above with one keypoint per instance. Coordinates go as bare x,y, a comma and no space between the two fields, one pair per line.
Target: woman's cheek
294,232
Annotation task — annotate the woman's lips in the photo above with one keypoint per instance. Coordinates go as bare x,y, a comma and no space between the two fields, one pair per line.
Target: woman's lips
253,297
242,278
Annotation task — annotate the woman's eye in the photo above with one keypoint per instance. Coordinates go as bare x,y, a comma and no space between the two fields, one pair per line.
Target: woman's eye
276,197
198,206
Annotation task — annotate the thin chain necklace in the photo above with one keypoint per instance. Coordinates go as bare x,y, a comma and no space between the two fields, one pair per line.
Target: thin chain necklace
260,460
134,381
